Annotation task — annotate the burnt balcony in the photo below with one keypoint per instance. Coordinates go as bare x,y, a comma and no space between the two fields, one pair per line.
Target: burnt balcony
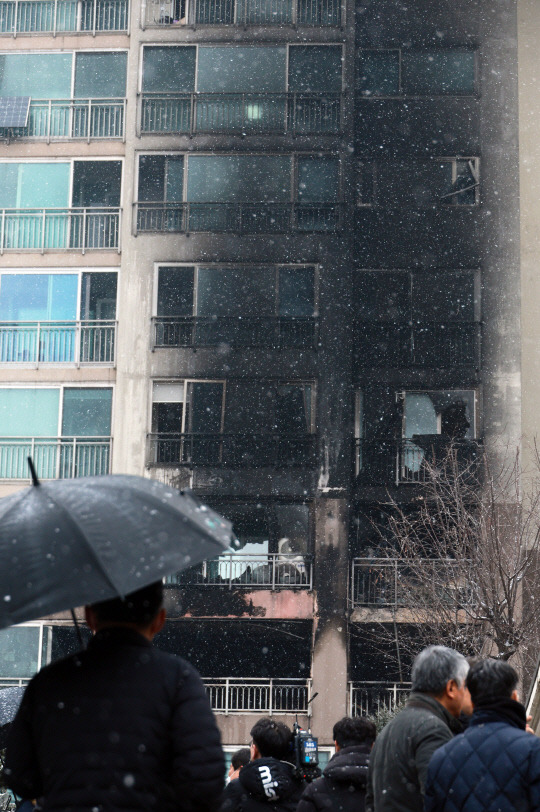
409,461
371,698
245,113
260,696
236,218
251,450
243,12
198,331
395,582
249,571
432,346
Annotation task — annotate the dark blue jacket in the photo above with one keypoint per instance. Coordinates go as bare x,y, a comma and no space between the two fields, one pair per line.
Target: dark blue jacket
494,766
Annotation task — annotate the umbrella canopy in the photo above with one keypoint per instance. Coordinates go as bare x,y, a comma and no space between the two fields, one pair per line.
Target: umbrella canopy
71,542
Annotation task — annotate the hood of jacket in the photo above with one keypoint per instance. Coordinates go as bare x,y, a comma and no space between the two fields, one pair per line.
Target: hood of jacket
268,779
349,765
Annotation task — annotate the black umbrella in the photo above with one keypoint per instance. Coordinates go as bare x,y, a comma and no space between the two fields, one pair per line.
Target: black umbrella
10,699
70,542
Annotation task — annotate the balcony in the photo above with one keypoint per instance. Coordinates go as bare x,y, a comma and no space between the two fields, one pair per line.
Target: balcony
54,457
374,698
246,113
409,461
244,12
62,16
393,582
255,450
198,331
260,696
53,342
237,218
75,119
432,346
248,571
77,229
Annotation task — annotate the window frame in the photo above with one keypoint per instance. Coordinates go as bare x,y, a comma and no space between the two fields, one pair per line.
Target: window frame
401,398
185,383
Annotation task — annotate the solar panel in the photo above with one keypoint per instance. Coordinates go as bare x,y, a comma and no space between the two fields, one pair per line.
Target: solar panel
14,111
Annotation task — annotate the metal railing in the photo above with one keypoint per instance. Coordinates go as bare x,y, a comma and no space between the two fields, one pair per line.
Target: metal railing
54,342
54,457
268,696
398,583
409,461
372,698
64,119
235,450
8,682
62,16
243,12
249,571
201,331
239,218
423,345
77,229
248,113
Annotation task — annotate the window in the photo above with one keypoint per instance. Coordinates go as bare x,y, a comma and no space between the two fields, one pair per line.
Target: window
461,181
66,430
397,72
447,412
24,650
100,75
161,178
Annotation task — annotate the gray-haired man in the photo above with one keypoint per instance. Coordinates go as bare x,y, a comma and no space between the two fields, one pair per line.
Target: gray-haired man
401,754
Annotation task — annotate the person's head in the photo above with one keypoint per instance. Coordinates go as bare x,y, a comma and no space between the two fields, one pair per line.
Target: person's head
239,759
141,610
492,679
351,731
441,672
270,739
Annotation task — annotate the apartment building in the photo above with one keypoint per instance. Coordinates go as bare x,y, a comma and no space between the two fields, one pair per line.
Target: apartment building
260,248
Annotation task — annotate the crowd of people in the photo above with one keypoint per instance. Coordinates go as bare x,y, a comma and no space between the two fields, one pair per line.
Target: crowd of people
124,727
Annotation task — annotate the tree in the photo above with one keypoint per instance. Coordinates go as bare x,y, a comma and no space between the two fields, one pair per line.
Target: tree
467,558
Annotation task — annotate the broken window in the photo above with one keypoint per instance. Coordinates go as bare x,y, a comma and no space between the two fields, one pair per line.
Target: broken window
461,178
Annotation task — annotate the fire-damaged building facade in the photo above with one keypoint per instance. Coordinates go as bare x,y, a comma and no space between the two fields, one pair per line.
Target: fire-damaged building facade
268,250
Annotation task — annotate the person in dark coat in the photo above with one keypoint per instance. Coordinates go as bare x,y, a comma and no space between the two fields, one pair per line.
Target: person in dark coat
269,783
342,787
400,756
119,726
495,765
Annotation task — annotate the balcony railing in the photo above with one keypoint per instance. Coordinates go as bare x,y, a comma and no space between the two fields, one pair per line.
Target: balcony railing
199,331
437,345
266,696
248,113
410,461
85,119
397,583
238,218
372,698
54,457
80,229
62,16
53,342
249,571
243,12
234,450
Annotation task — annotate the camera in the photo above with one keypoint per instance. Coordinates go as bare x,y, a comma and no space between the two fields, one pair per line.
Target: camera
306,753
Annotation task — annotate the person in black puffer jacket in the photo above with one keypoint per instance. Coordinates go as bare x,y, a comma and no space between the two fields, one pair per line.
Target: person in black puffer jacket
268,782
342,787
119,727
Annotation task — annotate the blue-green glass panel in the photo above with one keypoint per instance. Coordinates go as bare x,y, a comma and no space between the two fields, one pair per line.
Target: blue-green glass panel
169,69
29,412
240,70
38,297
444,71
238,178
318,180
100,75
296,292
41,76
379,73
315,68
19,652
87,413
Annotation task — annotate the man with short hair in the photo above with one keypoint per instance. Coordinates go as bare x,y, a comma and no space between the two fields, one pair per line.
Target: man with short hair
239,759
400,756
269,781
495,764
120,725
342,787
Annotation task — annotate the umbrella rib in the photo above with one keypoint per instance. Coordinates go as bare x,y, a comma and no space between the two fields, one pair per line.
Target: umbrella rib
88,546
